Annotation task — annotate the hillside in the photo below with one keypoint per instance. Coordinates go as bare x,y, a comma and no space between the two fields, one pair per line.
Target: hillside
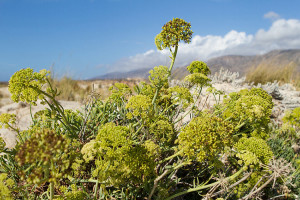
235,63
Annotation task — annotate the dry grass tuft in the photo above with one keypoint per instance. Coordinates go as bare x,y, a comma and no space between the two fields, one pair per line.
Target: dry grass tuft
70,89
264,73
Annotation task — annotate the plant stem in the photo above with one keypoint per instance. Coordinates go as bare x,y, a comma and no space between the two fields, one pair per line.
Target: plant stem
205,186
58,107
172,156
51,190
155,96
173,59
96,189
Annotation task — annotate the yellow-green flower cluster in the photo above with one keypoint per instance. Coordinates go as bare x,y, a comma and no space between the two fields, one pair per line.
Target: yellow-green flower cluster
198,79
119,90
251,149
7,120
181,95
173,32
48,155
74,194
205,137
292,117
88,150
198,67
146,89
2,144
119,159
159,76
162,131
26,85
252,108
5,185
139,106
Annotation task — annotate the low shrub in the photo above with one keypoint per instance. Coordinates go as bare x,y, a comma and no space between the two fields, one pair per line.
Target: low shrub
130,145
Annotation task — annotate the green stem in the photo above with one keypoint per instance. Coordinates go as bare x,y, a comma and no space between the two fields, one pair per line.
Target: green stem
155,96
206,186
58,107
96,189
181,118
51,190
173,156
173,59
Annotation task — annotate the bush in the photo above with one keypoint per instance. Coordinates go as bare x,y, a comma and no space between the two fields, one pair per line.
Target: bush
130,146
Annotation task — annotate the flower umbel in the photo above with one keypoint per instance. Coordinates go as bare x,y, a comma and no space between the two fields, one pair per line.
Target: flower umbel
25,85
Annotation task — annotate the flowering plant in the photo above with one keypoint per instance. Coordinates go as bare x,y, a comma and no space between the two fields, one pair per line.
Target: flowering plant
155,142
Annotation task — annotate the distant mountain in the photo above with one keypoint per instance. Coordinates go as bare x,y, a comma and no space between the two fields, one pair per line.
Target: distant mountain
139,73
234,63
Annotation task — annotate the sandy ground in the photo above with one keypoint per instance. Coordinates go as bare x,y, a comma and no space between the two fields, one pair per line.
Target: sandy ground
22,111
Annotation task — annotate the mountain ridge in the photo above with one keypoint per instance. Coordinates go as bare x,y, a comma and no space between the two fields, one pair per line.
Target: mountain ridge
234,63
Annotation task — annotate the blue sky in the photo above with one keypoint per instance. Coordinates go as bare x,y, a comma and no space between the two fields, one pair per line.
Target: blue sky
86,38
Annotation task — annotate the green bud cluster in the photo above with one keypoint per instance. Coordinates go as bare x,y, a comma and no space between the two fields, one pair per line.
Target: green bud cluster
159,76
5,187
25,85
119,159
119,90
73,194
205,137
47,155
172,33
181,95
198,79
7,120
292,117
251,108
251,149
139,106
198,67
2,144
162,131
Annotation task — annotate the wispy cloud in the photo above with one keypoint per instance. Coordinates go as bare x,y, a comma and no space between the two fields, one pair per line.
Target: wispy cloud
282,34
272,15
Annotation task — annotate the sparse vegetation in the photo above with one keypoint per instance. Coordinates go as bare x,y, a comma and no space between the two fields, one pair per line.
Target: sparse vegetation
129,146
70,89
264,73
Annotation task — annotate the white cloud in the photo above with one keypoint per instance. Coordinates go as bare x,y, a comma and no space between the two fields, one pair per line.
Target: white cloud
283,34
272,15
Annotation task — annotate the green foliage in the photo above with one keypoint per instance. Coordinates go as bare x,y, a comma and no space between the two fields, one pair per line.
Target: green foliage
253,150
292,117
205,137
